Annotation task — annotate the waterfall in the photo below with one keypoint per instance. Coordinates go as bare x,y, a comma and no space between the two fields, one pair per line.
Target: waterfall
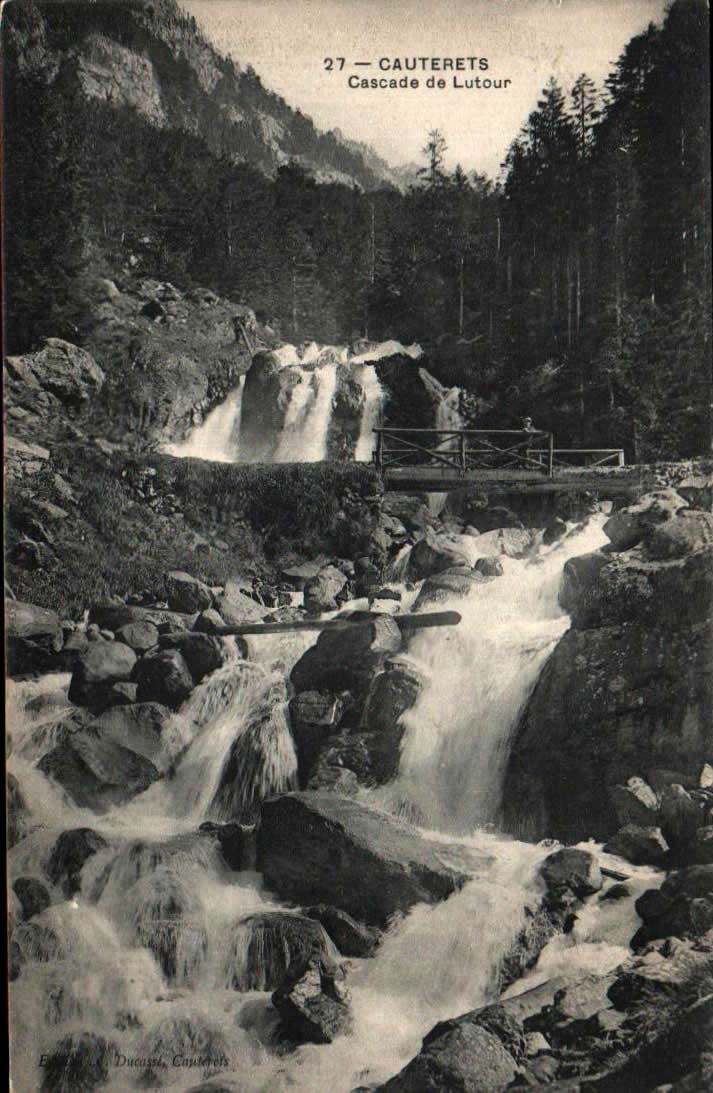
374,396
480,675
218,438
149,950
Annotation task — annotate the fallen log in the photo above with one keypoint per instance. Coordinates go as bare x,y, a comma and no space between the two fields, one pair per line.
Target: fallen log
405,622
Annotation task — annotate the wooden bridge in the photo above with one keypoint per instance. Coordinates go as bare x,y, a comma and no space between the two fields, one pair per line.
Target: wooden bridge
506,460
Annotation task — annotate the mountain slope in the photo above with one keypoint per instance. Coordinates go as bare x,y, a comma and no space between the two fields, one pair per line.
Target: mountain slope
151,57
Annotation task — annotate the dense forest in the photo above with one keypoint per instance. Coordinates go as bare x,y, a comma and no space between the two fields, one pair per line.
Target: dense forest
576,289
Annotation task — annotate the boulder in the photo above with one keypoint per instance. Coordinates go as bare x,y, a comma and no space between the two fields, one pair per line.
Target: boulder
333,778
313,1002
68,856
32,894
697,489
203,653
137,727
120,694
33,636
579,575
102,664
680,816
571,869
235,607
555,529
297,576
663,974
113,616
433,554
313,716
635,803
62,370
209,621
267,945
163,677
332,849
392,693
236,842
351,938
630,525
684,534
96,772
139,636
186,593
457,1055
638,845
513,542
458,581
320,592
682,907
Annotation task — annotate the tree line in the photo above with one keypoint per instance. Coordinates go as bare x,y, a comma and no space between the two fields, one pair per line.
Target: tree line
577,289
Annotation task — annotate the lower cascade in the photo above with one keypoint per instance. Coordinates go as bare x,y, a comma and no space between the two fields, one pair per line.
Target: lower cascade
159,955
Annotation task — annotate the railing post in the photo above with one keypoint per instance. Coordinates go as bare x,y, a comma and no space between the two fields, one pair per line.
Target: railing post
551,455
620,457
379,449
463,453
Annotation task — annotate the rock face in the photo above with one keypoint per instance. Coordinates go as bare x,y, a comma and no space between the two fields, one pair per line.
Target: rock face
59,372
321,846
628,690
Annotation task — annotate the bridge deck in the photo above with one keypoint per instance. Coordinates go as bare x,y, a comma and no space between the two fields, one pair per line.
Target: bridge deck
440,480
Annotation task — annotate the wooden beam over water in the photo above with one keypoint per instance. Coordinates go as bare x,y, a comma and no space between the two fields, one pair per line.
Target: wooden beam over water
404,622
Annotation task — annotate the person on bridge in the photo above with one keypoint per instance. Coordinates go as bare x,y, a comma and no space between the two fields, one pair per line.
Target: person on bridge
527,425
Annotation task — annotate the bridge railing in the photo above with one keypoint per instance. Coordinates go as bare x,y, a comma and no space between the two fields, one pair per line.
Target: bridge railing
464,449
580,457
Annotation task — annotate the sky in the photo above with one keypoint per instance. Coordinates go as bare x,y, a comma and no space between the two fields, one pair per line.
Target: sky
524,41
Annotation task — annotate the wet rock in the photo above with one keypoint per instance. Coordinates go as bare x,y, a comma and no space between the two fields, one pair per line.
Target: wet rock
186,593
103,664
297,576
410,511
313,1002
331,777
570,869
351,938
202,653
113,616
17,819
460,1055
266,946
33,636
675,970
433,554
321,592
513,542
489,518
68,856
392,693
555,529
489,566
313,716
635,803
638,845
630,525
96,772
137,727
32,894
163,677
139,636
457,581
321,846
615,892
579,575
79,1062
682,907
236,842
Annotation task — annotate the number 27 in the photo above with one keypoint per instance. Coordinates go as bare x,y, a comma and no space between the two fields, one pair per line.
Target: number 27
329,63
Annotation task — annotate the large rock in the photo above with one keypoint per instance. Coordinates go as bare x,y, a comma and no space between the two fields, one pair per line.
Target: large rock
433,554
314,715
686,533
459,581
313,1002
630,525
33,636
513,542
267,945
644,699
186,593
458,1055
113,616
103,663
392,693
635,803
638,845
33,896
139,636
96,772
62,370
680,817
137,727
682,907
352,938
68,855
321,592
575,870
203,653
163,677
235,607
580,574
332,849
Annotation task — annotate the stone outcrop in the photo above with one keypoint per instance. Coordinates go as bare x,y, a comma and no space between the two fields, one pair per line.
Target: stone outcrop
321,846
33,636
629,689
59,373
